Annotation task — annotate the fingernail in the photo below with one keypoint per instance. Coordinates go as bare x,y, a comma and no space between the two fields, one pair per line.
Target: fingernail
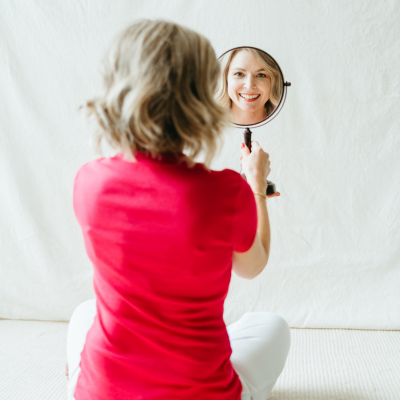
241,145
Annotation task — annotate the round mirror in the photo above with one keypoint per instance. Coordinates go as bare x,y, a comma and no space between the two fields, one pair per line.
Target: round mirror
251,86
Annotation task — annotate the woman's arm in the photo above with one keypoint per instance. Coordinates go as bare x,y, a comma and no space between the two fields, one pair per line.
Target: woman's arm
251,263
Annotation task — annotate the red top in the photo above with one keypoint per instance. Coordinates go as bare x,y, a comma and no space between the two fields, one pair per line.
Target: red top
160,236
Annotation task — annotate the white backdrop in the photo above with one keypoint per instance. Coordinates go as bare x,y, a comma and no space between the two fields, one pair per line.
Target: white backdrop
334,150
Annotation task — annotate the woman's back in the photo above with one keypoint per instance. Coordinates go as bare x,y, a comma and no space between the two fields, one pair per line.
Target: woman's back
160,236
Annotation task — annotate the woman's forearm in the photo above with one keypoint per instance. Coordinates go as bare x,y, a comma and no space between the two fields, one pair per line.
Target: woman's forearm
263,226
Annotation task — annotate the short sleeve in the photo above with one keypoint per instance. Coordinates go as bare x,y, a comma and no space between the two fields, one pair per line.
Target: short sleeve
244,226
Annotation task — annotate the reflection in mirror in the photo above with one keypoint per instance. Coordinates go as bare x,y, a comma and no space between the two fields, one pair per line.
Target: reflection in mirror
251,85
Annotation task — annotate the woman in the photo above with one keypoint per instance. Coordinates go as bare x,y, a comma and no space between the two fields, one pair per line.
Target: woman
164,232
250,85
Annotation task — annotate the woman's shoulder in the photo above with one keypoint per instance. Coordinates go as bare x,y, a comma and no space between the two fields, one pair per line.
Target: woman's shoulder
89,168
228,178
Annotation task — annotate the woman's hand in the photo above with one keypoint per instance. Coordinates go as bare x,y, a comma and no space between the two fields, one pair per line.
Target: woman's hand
256,166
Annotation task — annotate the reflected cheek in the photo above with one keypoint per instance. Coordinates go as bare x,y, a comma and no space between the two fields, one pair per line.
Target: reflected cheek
232,93
266,96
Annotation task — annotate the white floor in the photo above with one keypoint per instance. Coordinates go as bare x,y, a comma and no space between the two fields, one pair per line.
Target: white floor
328,364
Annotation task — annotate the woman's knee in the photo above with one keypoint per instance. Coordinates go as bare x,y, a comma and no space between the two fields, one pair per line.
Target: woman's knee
265,346
86,306
84,311
78,327
283,332
272,326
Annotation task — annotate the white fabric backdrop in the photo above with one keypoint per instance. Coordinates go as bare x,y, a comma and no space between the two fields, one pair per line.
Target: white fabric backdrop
335,258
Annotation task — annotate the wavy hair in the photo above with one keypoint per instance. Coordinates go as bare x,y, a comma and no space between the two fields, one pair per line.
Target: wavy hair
269,65
159,97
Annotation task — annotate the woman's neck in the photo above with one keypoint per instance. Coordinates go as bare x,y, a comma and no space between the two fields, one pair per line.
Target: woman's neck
128,156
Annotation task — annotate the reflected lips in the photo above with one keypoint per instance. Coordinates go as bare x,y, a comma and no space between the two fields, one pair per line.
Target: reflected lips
249,100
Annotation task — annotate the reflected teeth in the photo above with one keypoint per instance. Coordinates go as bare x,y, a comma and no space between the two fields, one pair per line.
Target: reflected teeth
246,96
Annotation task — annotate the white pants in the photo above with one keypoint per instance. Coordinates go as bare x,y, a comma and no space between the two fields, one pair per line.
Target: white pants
260,343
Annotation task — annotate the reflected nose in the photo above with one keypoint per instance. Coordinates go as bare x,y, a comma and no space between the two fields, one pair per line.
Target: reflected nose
249,82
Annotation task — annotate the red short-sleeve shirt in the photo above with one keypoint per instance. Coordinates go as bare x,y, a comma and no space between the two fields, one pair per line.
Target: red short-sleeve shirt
160,236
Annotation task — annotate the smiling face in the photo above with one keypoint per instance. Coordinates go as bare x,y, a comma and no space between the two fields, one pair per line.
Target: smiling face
249,88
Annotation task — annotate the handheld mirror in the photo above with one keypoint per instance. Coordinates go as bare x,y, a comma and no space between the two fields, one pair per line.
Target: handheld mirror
253,88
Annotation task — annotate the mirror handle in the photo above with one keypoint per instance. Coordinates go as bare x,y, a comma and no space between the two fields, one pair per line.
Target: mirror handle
271,188
247,138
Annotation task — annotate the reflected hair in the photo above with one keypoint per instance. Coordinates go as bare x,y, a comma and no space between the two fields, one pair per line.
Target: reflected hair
268,64
159,85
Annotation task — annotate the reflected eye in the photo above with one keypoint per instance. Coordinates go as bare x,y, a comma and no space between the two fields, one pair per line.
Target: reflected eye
238,74
262,75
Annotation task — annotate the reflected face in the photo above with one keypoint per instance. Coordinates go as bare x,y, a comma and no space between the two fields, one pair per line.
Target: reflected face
249,88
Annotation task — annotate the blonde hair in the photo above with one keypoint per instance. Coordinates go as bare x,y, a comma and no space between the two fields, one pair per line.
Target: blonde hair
160,81
269,65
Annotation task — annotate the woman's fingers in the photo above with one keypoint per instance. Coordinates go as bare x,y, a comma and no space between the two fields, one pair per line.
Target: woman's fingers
276,194
255,144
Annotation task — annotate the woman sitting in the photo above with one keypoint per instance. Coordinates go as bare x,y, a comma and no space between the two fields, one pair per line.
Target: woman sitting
164,232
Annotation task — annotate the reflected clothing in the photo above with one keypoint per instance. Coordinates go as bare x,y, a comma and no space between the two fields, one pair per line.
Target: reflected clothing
160,236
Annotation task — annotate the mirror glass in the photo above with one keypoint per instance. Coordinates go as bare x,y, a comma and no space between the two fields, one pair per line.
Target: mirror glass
251,85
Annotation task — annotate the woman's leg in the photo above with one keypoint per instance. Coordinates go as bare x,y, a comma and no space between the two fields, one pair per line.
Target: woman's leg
79,325
260,344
